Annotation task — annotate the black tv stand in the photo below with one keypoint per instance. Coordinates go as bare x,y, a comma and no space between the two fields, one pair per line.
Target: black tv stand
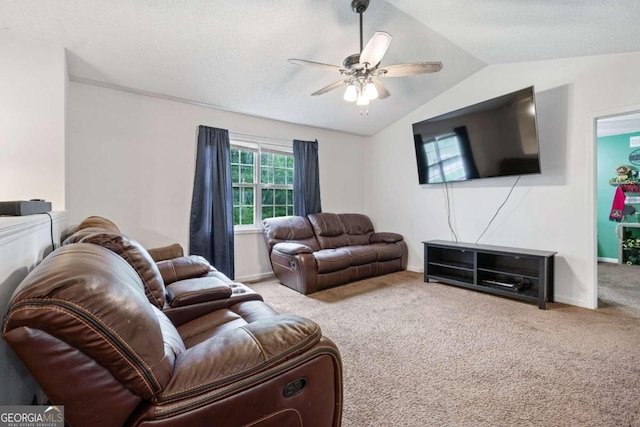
512,272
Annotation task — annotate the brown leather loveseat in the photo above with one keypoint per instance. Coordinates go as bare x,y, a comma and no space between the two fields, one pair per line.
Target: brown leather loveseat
98,338
322,250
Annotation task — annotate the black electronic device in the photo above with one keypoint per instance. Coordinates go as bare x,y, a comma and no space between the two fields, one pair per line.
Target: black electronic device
24,207
496,137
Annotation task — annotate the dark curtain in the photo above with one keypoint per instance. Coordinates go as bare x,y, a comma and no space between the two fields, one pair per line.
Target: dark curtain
306,178
211,225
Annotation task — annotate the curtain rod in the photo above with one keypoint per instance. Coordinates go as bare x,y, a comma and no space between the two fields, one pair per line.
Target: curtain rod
256,138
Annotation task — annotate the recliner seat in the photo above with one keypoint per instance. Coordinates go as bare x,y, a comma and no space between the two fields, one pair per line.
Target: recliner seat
82,324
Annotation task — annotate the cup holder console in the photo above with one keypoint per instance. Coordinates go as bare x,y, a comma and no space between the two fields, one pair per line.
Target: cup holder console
237,290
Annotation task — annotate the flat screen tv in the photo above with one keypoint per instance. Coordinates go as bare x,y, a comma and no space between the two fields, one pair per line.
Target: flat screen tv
497,137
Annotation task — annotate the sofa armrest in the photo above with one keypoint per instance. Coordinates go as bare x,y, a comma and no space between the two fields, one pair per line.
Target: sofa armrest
239,354
181,268
292,248
194,291
166,252
385,237
299,272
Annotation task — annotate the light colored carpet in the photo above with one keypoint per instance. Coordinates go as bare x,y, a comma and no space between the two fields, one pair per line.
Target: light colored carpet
428,354
619,288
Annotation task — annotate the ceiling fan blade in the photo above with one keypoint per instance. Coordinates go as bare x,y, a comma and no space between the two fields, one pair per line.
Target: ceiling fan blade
330,87
375,49
382,91
317,65
401,70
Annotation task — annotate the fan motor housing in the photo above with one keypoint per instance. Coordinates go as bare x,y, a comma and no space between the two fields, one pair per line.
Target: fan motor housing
351,60
359,6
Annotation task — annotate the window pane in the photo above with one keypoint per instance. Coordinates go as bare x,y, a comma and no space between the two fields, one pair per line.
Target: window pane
280,211
246,157
266,175
290,162
235,155
289,177
247,216
289,210
279,176
266,159
279,160
236,215
247,196
236,196
246,174
281,197
267,212
235,173
290,197
267,196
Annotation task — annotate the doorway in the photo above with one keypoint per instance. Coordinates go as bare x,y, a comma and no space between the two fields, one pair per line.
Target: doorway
618,211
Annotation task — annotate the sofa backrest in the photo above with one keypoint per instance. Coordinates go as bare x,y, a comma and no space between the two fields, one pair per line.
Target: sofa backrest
357,227
292,229
82,313
133,253
338,230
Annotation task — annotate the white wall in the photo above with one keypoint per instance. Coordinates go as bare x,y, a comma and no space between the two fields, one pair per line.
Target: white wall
24,241
33,78
551,211
131,159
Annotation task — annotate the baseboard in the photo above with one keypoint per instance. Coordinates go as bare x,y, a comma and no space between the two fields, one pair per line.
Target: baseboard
571,301
254,277
415,269
609,260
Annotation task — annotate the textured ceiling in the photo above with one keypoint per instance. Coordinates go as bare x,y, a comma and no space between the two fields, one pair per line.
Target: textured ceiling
233,54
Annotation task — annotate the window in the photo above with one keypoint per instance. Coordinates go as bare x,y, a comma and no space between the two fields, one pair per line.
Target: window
445,159
262,183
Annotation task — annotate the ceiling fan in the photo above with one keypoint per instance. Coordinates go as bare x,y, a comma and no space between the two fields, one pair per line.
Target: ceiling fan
361,71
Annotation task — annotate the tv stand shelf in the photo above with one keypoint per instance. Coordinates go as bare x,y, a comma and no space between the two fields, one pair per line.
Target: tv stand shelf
523,274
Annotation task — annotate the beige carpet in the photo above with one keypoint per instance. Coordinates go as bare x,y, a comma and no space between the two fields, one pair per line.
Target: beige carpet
619,288
428,354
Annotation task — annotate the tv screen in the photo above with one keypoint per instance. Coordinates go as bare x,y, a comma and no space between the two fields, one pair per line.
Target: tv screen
497,137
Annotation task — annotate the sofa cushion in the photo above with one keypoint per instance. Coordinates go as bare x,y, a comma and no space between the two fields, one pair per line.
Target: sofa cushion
98,222
194,291
219,322
329,230
387,251
362,254
289,229
385,237
181,268
166,252
134,254
329,260
357,227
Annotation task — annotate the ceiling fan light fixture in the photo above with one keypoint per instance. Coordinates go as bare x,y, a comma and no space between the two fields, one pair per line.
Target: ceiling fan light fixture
361,72
351,94
362,99
370,91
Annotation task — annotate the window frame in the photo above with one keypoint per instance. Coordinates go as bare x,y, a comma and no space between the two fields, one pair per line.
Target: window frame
259,145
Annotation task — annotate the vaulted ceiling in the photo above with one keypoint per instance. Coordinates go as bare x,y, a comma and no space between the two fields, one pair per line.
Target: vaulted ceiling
233,54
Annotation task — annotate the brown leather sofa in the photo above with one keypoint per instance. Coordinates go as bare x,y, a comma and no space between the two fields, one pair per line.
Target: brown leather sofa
322,250
102,337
